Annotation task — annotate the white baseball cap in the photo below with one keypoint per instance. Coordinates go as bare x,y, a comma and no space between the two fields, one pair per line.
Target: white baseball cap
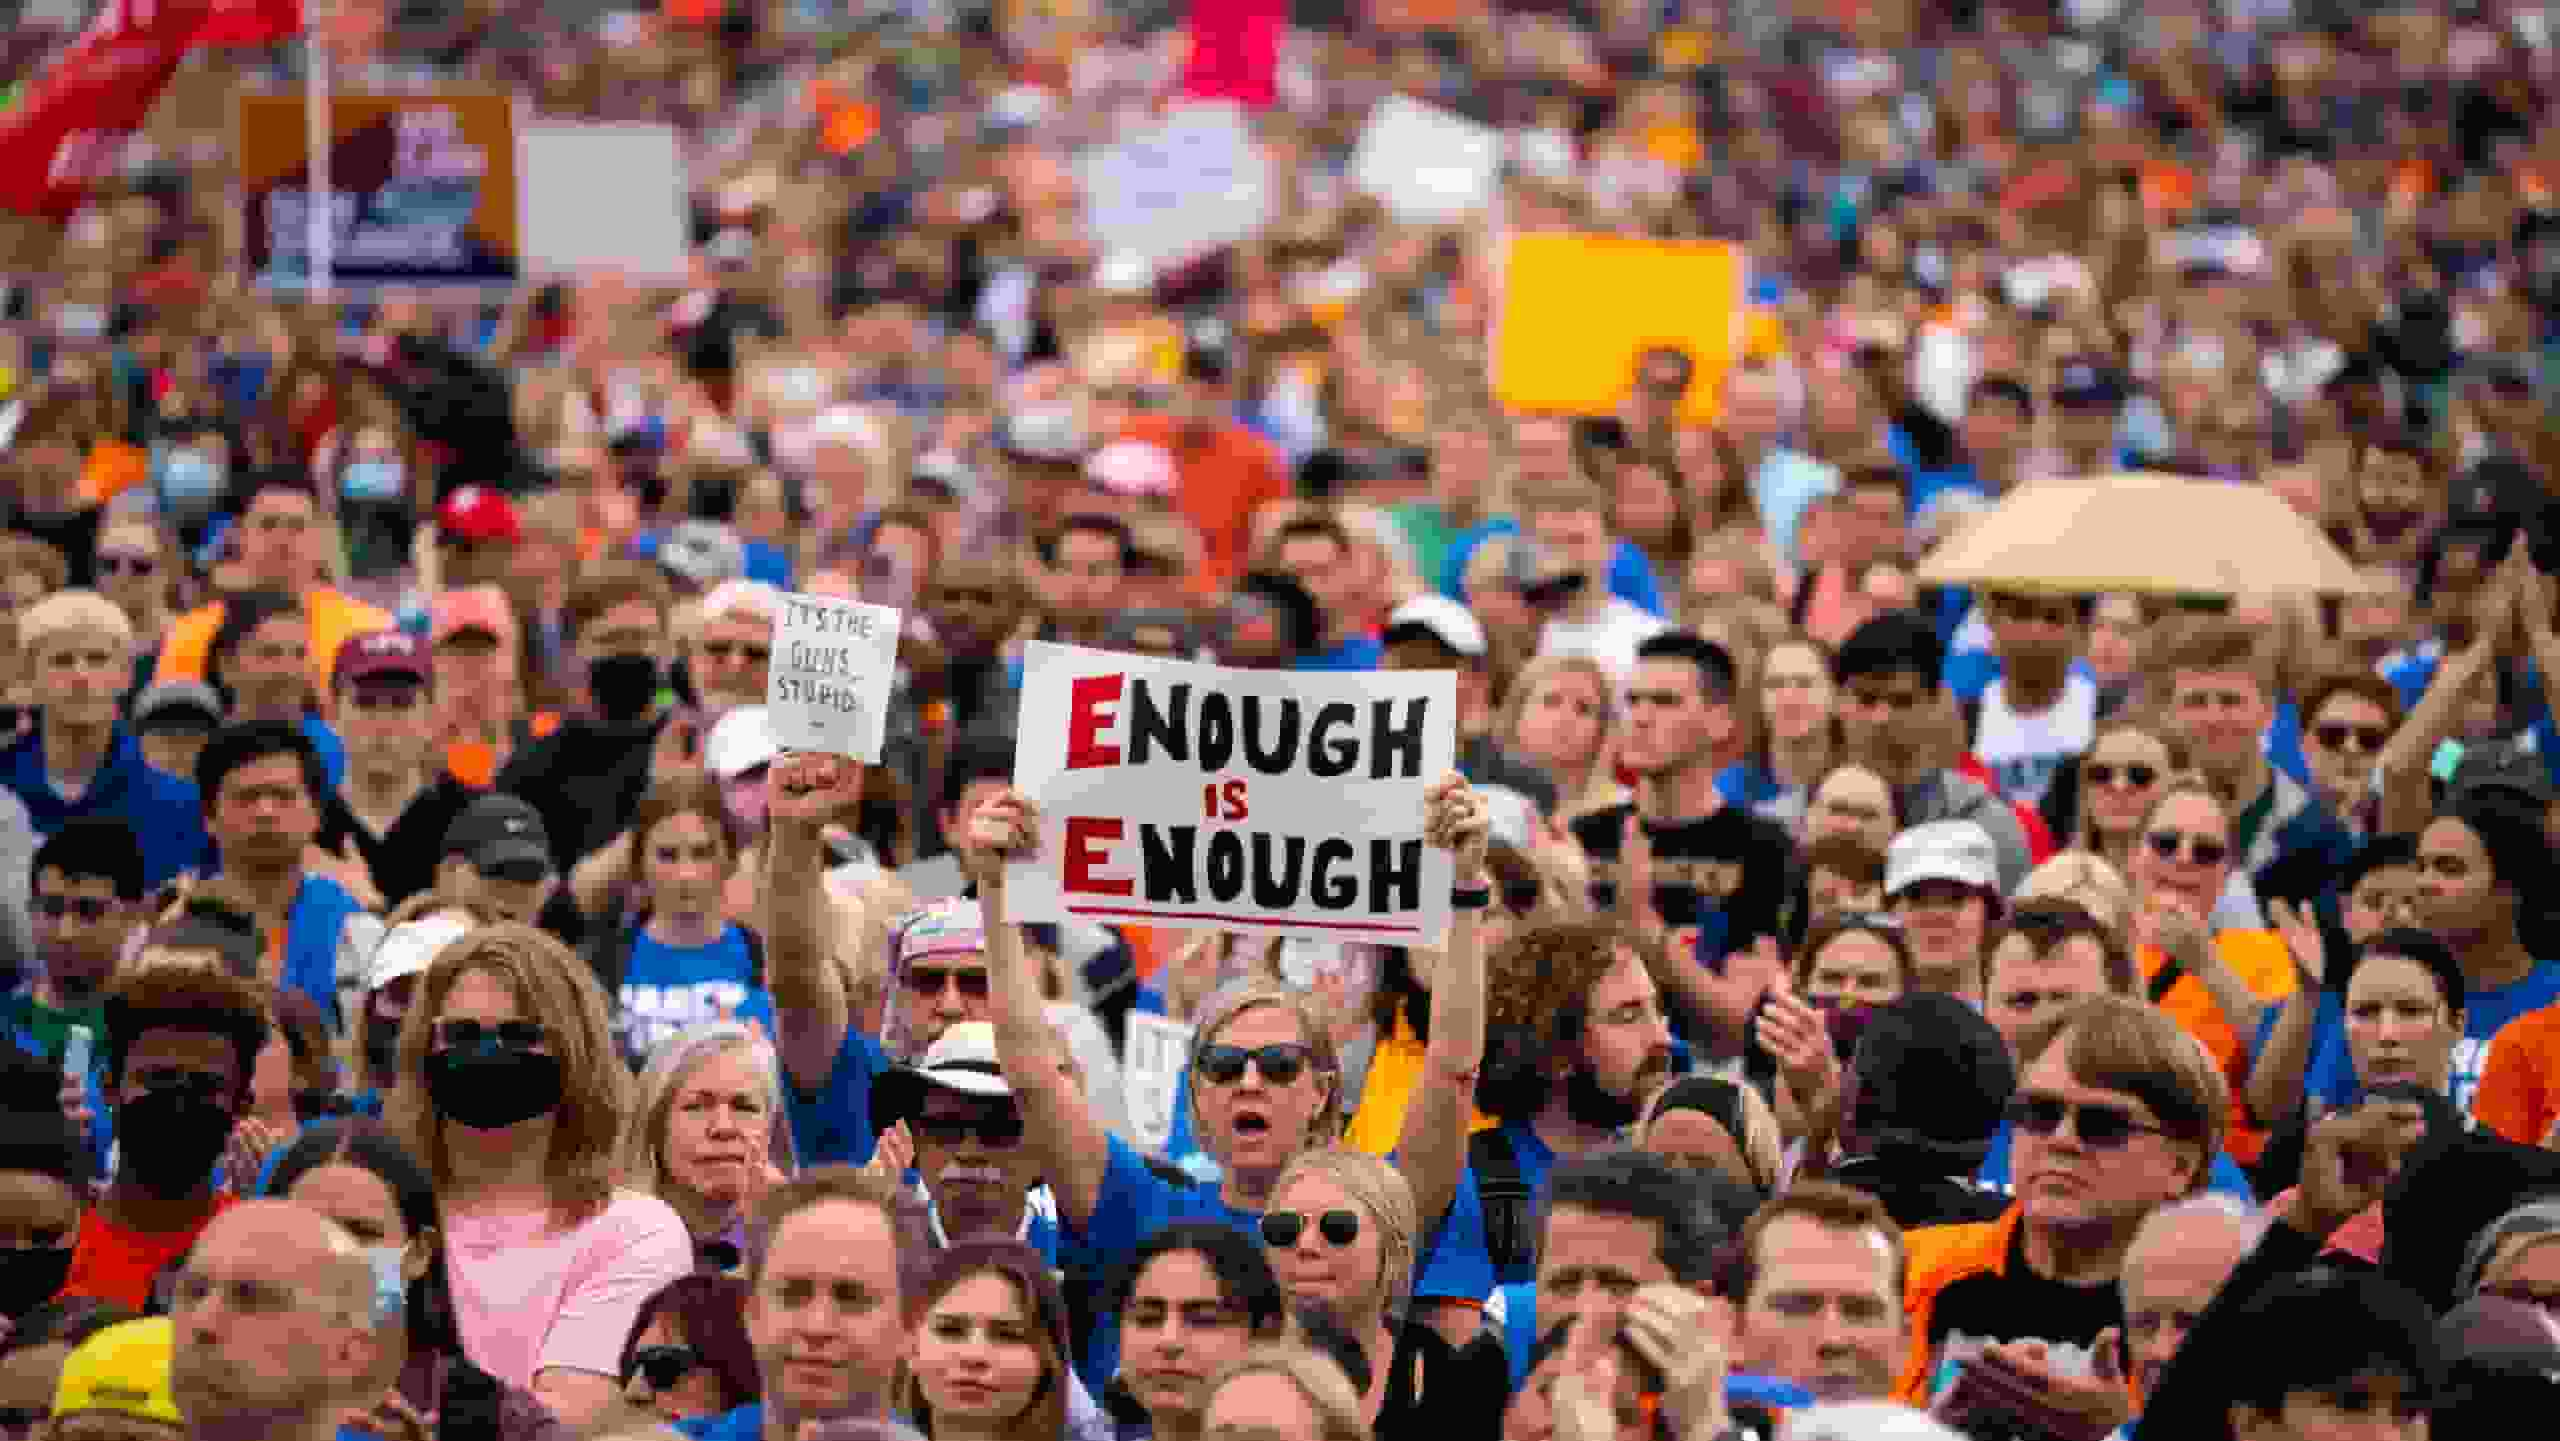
411,946
741,741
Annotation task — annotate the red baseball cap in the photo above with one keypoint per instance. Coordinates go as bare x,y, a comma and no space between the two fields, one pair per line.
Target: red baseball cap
477,514
381,655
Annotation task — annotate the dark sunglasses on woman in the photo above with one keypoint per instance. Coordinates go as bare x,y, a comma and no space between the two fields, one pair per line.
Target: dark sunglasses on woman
662,1366
1279,1062
1283,1228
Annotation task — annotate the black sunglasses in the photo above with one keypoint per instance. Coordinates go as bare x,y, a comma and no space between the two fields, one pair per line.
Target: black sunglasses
2101,1127
319,1103
1283,1228
994,1128
662,1366
2202,851
467,1035
932,980
1279,1062
90,909
522,871
2104,773
2334,735
1522,897
724,649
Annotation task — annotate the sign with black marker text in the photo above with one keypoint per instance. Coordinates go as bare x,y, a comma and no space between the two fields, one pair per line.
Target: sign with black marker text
828,685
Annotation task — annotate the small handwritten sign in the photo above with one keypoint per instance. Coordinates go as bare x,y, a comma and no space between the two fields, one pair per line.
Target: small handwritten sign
833,662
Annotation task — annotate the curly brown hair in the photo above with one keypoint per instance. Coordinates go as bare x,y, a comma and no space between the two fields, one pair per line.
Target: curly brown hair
1541,976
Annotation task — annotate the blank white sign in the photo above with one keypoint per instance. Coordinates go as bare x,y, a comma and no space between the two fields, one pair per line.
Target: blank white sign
603,197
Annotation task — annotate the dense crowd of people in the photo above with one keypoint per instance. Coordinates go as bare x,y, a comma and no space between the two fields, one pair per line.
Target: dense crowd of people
443,1010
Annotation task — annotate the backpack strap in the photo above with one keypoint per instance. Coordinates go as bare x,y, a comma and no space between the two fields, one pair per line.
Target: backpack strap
1509,1221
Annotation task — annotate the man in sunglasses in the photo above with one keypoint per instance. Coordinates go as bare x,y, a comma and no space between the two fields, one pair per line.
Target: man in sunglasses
2093,1159
966,1132
180,1046
940,971
78,759
2348,718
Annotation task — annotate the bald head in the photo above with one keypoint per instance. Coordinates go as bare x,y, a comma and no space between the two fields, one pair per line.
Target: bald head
275,1316
286,1238
2180,1257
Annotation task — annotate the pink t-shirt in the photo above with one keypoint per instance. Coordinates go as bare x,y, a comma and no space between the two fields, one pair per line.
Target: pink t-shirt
529,1297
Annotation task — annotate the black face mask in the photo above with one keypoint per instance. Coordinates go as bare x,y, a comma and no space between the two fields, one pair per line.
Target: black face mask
1591,1105
490,1089
625,685
31,1276
168,1140
381,1042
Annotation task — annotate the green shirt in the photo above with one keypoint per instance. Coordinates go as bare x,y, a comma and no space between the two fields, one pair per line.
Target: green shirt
49,1026
1426,528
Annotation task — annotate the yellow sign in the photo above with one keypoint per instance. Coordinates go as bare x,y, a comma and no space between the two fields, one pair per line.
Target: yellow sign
1577,310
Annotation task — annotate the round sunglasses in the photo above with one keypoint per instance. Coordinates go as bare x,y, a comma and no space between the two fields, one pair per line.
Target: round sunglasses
1283,1228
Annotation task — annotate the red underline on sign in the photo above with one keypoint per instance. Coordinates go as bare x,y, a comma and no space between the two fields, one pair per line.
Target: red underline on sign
1145,914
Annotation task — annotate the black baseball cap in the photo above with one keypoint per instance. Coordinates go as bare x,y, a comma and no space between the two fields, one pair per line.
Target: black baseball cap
498,831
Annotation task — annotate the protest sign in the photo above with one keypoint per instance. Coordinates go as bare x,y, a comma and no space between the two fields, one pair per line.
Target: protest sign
423,191
827,688
606,197
1153,1057
1424,164
1270,802
1577,310
1194,183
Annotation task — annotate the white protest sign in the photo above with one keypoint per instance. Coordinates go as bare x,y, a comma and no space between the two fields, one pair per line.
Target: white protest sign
604,197
1426,165
1189,186
1152,1059
833,661
1268,802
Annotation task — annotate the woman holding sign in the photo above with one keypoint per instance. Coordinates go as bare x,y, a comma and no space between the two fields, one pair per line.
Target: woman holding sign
1265,1087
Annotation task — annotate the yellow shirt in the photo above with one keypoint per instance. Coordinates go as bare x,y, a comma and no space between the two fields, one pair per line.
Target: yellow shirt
332,615
1393,1068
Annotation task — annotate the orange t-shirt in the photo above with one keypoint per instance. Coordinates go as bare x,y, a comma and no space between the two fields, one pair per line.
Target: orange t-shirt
110,1263
332,615
2259,959
2519,1095
1225,474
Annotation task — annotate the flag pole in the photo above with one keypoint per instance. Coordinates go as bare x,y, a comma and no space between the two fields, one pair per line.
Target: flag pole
320,219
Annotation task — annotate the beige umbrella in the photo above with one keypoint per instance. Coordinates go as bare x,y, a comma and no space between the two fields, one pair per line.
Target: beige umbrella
2148,532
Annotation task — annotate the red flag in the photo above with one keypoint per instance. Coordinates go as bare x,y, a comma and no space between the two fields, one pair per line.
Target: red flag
1234,51
72,125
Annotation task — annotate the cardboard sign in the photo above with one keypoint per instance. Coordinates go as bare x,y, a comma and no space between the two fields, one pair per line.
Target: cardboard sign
1152,1059
833,663
1578,309
1191,185
606,197
1269,802
423,191
1426,165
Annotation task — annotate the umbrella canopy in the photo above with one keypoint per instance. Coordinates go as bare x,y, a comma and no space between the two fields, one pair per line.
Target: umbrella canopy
2142,531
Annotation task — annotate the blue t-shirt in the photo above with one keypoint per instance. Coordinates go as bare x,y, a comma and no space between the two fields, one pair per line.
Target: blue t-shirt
667,988
333,751
2225,1177
2329,1076
1534,1158
832,1125
1134,1203
744,1424
1360,652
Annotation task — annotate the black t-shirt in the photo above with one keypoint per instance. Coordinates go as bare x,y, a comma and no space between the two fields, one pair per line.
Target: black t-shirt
1721,880
2016,1304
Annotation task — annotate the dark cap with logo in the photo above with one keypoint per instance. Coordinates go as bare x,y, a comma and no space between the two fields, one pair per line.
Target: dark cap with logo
499,830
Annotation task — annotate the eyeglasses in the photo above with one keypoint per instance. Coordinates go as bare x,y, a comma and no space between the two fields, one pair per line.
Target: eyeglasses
2202,850
321,1103
2099,1126
1283,1228
662,1366
2334,735
2104,773
1279,1063
520,1037
140,567
994,1129
934,980
1865,920
730,650
89,909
